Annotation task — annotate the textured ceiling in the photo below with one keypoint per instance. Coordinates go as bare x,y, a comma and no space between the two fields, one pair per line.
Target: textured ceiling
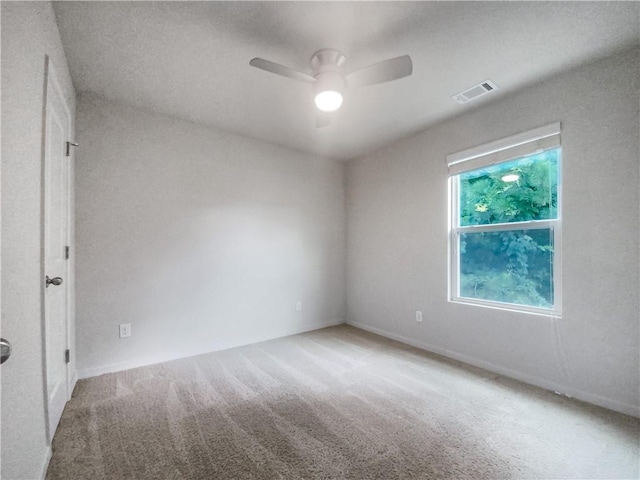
191,59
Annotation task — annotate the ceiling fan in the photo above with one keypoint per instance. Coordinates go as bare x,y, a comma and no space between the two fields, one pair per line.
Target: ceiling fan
329,78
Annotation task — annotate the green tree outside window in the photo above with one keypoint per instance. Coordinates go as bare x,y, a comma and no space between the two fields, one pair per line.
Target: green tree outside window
514,265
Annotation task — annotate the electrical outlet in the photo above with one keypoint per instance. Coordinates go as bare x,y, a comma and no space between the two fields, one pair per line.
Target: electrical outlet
418,316
125,330
299,306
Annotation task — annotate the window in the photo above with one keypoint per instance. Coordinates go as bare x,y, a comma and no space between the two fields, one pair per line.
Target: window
505,223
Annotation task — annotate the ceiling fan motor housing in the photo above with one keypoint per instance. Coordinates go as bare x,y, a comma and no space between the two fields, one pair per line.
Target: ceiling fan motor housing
327,59
329,81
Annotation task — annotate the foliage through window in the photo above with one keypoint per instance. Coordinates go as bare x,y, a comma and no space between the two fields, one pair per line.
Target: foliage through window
505,230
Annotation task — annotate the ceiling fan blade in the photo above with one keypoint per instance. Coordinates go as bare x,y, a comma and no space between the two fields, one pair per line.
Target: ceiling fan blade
278,69
381,72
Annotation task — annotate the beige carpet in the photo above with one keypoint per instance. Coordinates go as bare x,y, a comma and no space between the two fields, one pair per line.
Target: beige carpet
335,403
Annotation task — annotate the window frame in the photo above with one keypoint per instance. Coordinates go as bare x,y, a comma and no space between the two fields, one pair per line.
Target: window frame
494,153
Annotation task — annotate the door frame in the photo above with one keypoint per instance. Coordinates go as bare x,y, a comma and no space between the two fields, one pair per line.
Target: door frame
51,82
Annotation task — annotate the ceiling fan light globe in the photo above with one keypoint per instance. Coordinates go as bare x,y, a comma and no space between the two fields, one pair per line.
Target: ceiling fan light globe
328,101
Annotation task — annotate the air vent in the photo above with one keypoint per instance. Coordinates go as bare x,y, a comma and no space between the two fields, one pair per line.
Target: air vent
475,92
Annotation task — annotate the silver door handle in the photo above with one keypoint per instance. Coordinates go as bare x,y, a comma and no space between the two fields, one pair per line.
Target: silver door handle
5,350
53,281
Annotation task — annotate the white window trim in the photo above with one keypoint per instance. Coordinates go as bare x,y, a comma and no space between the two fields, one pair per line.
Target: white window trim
508,148
516,146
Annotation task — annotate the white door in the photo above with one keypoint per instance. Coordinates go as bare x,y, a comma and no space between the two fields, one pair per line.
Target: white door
56,233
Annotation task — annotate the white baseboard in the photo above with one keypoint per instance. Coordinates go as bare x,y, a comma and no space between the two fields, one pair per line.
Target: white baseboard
566,390
118,367
45,464
72,384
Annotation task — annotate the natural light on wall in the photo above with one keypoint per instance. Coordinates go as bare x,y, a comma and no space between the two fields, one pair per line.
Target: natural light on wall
505,223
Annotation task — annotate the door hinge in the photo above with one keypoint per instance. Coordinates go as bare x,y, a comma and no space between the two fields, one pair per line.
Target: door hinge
69,145
67,355
67,250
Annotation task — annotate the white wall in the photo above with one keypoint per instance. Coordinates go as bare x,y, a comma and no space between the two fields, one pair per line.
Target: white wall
202,240
29,32
397,240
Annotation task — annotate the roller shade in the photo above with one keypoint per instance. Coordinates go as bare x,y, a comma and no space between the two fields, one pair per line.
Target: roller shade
515,146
